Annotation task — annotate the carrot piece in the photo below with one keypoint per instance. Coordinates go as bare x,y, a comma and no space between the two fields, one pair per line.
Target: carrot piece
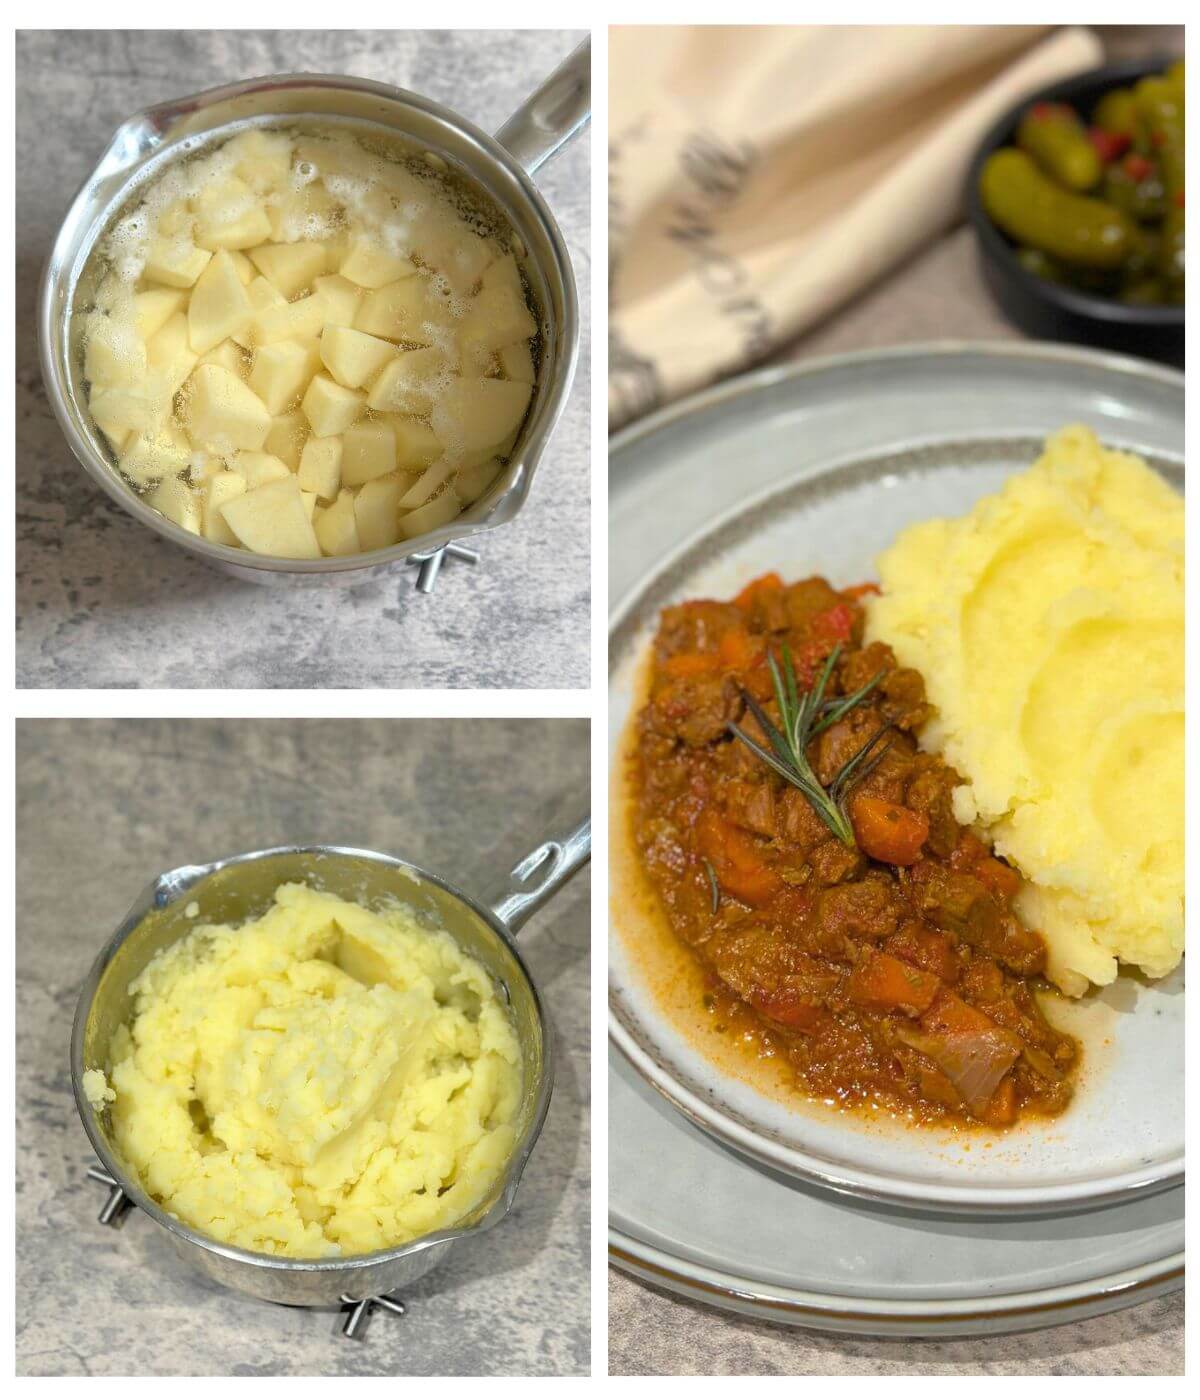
884,983
1001,879
836,622
859,590
1002,1107
765,583
686,664
888,832
739,868
788,1008
738,650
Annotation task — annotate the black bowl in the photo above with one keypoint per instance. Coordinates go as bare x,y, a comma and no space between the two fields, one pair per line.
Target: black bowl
1047,309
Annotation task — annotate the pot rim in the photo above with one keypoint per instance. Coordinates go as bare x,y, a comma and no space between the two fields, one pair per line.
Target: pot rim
59,274
173,885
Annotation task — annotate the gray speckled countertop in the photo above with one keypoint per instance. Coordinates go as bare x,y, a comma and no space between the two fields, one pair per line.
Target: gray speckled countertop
101,601
105,805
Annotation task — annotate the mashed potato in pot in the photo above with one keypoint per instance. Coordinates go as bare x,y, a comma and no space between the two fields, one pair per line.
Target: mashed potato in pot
1048,624
323,1080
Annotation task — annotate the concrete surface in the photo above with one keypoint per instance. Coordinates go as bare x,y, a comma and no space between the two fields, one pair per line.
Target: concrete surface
105,806
937,295
102,601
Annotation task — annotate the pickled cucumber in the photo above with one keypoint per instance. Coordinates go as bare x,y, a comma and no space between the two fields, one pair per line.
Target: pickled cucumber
1055,137
1032,209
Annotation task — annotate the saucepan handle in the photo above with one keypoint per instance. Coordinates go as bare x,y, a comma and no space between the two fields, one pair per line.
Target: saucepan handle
542,872
559,109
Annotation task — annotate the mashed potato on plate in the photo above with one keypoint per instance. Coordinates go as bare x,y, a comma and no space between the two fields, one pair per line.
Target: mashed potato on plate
1048,624
323,1080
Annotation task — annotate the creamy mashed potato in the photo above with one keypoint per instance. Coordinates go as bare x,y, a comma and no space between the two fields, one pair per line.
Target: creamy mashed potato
320,1081
1048,624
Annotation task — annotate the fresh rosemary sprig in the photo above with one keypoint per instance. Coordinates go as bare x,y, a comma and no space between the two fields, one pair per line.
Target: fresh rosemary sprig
802,718
714,888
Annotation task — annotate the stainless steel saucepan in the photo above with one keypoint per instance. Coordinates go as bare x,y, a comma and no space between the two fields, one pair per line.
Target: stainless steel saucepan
496,169
240,888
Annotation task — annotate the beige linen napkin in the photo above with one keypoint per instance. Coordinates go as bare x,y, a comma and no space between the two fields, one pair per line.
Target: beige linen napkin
759,177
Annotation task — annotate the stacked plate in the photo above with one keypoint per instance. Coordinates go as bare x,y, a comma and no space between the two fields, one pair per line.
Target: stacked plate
795,1213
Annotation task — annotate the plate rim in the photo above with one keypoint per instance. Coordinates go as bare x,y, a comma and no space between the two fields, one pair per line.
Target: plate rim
1008,1312
868,1185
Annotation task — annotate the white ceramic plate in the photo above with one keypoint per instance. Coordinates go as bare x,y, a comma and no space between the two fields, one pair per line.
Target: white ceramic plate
815,470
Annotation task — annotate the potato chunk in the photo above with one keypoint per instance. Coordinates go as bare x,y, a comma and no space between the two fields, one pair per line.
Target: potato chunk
223,413
289,267
229,215
178,502
169,356
410,383
474,414
341,299
257,468
376,510
152,309
287,437
114,353
220,306
366,264
417,445
273,520
407,310
218,490
353,358
330,408
440,511
175,262
281,373
148,457
337,529
516,362
321,466
368,451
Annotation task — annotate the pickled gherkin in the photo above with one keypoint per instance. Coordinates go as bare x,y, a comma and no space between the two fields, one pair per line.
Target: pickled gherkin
1031,208
1095,200
1055,137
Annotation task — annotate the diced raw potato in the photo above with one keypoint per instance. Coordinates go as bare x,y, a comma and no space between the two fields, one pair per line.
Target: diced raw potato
229,355
262,158
417,445
175,262
176,219
218,491
287,437
281,373
203,465
154,308
178,502
289,267
445,243
473,482
245,268
341,299
337,528
478,413
148,457
368,451
432,516
352,357
228,215
330,408
408,310
169,356
485,454
310,213
295,320
118,412
427,483
497,317
321,466
262,298
272,519
219,306
516,362
366,264
410,382
503,272
114,353
375,511
310,506
258,468
223,413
